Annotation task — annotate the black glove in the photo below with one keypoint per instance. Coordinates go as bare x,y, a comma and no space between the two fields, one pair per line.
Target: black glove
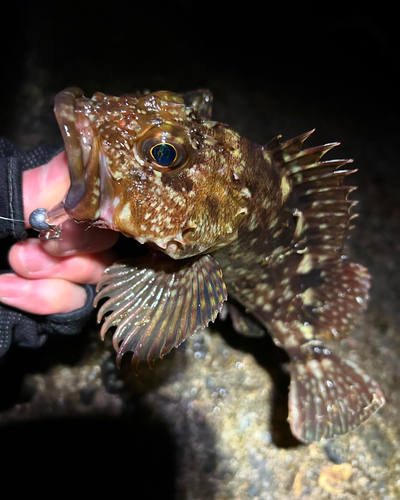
24,329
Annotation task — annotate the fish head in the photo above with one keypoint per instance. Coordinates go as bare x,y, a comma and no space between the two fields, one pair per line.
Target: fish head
153,167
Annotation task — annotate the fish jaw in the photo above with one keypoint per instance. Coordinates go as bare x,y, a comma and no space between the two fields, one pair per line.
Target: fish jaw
82,201
91,196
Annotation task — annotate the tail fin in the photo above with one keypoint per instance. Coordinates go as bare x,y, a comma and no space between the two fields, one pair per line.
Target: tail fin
329,396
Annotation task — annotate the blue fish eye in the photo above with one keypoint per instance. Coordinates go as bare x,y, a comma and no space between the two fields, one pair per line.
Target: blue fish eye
164,153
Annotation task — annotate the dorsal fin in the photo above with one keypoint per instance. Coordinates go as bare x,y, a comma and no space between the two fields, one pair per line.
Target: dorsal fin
201,101
316,285
319,196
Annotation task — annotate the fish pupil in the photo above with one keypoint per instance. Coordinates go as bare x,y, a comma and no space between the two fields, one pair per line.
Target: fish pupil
164,154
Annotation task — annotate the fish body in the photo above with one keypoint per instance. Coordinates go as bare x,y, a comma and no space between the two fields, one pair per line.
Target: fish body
222,216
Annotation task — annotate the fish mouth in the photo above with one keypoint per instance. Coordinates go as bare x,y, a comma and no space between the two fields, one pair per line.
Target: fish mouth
81,202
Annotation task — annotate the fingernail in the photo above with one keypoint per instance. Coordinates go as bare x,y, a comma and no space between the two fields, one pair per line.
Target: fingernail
35,259
12,286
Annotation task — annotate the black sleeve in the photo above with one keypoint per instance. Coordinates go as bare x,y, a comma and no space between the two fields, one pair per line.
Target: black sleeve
27,330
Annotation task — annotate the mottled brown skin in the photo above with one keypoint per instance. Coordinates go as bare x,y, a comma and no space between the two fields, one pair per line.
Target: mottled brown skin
269,221
183,211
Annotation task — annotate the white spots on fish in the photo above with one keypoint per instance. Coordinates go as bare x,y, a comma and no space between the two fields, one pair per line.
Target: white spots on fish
291,341
266,203
126,213
288,294
314,366
260,300
327,364
118,175
300,226
253,224
306,330
273,223
236,153
167,221
277,253
245,192
285,188
267,156
280,325
277,233
156,220
308,297
306,264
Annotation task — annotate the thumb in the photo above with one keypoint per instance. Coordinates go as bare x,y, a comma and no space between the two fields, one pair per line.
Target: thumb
45,186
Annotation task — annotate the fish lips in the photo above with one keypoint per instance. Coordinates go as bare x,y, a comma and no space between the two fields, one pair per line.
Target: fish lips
88,188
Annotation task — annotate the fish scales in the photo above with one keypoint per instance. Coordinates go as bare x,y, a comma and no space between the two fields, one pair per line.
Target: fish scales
222,216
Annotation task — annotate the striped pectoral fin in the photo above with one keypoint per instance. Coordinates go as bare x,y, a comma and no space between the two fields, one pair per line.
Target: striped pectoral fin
329,396
156,303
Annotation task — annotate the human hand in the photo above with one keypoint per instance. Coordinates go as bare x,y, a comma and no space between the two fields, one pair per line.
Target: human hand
48,273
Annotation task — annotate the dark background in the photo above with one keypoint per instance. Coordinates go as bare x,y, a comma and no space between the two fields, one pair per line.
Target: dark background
331,60
273,70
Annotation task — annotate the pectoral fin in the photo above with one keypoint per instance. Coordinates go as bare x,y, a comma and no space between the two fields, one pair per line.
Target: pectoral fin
156,303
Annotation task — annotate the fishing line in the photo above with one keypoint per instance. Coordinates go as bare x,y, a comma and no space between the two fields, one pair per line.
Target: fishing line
14,220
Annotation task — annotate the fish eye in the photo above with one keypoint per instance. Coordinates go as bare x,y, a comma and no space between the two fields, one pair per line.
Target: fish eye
165,147
164,154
